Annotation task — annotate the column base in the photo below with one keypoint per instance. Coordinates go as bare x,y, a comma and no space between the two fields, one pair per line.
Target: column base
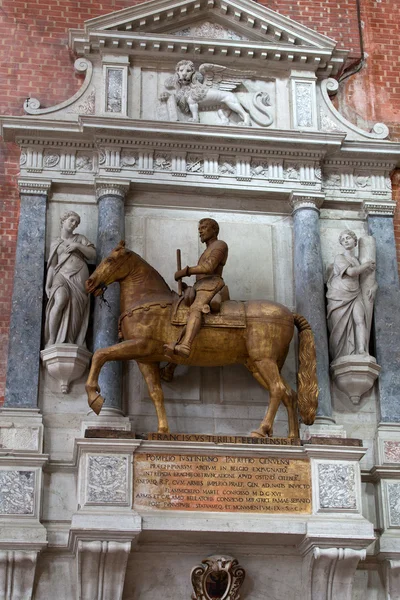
323,427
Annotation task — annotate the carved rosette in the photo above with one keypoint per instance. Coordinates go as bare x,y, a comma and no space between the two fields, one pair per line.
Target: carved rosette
217,577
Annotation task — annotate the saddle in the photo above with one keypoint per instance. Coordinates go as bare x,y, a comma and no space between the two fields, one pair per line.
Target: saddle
231,314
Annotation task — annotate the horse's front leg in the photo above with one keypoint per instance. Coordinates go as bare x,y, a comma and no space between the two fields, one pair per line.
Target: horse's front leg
151,374
123,351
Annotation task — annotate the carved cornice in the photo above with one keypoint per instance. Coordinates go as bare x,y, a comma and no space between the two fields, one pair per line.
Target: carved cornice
379,209
34,187
308,201
111,188
153,29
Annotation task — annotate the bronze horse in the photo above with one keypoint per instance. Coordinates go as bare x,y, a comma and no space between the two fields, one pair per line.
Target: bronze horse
262,345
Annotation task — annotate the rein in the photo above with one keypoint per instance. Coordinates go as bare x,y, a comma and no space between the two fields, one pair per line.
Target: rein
104,287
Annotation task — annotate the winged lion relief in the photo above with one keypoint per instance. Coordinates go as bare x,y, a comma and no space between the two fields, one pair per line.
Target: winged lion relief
214,88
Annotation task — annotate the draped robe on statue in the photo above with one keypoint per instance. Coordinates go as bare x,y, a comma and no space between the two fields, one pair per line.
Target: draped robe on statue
70,275
343,292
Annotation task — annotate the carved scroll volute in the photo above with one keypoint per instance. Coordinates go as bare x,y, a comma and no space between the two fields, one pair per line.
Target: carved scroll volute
217,578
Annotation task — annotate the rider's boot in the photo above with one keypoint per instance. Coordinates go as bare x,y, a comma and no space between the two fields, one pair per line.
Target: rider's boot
193,326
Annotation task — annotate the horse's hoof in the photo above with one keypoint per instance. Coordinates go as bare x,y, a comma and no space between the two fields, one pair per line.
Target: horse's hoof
163,430
258,434
97,404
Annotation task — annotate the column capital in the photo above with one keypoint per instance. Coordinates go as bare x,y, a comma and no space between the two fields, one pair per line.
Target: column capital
111,187
379,209
34,187
312,201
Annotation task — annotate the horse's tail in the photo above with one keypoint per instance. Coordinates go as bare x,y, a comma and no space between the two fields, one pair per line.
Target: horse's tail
307,383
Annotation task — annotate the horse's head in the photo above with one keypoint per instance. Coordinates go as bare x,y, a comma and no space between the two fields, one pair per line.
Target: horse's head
114,267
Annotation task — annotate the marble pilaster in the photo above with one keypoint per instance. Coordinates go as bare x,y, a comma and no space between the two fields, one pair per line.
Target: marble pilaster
309,288
386,313
27,300
111,229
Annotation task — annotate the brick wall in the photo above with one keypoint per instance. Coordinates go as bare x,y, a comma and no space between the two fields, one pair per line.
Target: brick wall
34,61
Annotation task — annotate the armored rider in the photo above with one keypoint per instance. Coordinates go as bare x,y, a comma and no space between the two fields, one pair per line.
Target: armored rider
209,281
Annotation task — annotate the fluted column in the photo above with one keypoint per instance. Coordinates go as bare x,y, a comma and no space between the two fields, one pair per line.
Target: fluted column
111,229
387,308
309,288
22,381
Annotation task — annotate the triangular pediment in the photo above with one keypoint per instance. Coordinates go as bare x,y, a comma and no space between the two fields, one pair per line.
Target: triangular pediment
215,19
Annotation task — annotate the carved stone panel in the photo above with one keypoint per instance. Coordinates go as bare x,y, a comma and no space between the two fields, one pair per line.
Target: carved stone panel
17,492
107,480
391,450
393,492
337,486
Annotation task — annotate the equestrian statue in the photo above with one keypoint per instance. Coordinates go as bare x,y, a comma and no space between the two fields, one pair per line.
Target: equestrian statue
201,326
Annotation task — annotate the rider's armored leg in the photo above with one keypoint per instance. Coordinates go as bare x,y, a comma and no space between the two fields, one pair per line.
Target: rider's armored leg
193,326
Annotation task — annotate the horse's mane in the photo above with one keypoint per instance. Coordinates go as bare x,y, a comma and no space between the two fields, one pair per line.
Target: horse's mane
153,271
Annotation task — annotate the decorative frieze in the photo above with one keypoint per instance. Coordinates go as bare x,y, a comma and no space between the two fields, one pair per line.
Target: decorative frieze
194,163
128,159
17,492
107,480
337,486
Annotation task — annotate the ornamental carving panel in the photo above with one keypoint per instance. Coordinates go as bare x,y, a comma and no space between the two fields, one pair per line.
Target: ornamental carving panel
217,578
114,90
17,489
394,504
107,479
211,31
304,105
337,486
391,451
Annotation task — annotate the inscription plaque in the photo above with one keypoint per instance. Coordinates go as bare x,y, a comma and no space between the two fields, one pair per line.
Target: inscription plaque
265,484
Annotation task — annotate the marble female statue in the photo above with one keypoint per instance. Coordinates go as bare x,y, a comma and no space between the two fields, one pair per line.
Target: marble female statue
351,291
67,310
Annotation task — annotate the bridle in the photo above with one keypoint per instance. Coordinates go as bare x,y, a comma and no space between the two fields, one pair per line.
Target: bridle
103,286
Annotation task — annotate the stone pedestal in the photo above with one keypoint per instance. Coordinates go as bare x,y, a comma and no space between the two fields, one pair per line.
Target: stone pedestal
65,363
327,534
22,536
355,375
